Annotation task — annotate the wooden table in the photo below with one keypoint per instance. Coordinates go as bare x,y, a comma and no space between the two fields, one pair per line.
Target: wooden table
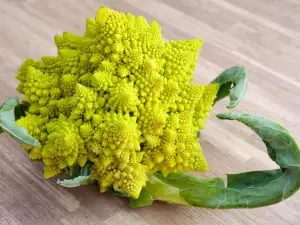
263,36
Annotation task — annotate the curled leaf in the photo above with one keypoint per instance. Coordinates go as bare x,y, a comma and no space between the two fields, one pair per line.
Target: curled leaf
8,125
244,190
233,83
282,147
76,182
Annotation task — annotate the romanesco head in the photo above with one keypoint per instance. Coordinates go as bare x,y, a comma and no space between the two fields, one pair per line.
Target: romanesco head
120,97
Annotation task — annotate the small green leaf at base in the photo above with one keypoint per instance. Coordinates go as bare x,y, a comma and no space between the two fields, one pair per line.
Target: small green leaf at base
8,125
119,192
233,83
145,199
85,170
76,170
164,192
76,182
19,112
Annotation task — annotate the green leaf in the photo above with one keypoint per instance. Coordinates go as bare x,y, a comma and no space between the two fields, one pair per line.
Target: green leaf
19,112
85,170
223,91
258,178
119,192
7,122
145,199
76,170
233,83
164,192
244,190
183,181
281,146
76,182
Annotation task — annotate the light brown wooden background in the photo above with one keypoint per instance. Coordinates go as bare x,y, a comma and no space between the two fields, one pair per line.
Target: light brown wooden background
262,35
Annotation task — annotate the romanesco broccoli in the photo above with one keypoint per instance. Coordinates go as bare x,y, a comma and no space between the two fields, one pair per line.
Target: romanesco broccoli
120,97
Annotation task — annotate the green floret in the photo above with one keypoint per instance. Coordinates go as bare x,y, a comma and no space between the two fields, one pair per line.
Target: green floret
123,97
120,97
62,146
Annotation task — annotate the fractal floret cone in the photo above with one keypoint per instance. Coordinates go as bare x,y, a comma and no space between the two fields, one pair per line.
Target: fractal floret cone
119,97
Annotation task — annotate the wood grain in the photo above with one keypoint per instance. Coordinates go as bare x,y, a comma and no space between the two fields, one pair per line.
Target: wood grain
263,36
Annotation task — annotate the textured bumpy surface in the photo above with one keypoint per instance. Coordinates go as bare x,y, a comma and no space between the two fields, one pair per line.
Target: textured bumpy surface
120,97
